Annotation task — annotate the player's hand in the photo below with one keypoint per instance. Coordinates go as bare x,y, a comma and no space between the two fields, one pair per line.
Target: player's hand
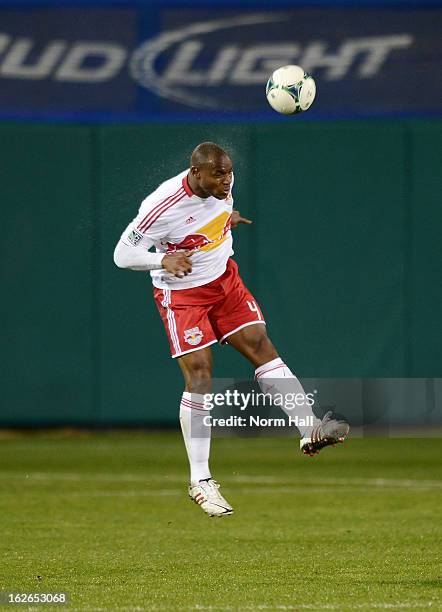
236,219
178,264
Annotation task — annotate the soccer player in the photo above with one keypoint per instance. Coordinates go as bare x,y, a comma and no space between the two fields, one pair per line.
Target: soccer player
202,300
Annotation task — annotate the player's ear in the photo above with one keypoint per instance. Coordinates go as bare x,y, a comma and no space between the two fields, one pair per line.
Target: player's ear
194,171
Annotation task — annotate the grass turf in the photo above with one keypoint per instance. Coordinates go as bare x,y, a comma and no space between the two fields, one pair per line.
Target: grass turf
106,518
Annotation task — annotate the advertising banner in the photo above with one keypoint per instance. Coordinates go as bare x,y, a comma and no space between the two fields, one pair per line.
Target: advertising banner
202,63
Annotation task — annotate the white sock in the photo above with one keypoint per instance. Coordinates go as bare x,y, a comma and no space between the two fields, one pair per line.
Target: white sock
275,377
196,434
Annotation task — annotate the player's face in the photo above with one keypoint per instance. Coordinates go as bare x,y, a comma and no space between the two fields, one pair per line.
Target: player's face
215,178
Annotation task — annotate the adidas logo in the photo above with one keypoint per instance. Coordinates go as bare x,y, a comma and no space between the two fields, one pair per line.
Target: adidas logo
190,220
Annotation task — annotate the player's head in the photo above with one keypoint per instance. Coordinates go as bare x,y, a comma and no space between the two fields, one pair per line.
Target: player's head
211,171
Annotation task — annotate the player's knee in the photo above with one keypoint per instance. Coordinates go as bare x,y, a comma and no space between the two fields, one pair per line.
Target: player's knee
259,346
200,376
257,340
201,371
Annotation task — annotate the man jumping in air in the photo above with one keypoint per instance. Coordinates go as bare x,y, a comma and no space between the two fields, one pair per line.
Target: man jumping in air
202,300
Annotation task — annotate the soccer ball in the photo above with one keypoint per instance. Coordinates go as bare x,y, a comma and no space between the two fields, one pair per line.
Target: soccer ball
290,90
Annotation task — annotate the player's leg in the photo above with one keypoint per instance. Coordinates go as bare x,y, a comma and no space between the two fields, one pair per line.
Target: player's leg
195,425
274,376
238,320
184,314
252,342
190,336
197,371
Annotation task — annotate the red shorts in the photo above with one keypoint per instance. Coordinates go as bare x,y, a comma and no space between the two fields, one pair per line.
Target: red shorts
197,317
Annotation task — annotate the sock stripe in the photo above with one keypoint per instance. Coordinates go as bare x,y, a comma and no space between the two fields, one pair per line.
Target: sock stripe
189,396
185,399
188,401
261,374
194,406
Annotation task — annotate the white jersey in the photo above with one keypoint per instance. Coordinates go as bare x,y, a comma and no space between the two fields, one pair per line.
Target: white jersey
173,218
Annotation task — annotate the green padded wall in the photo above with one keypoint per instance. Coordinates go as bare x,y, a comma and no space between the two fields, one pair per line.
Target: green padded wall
424,262
331,215
344,256
47,274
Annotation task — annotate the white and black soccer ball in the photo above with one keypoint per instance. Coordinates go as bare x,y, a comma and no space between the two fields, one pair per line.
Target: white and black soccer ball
290,90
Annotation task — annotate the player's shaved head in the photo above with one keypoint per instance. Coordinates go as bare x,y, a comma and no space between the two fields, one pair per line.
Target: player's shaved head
210,171
207,153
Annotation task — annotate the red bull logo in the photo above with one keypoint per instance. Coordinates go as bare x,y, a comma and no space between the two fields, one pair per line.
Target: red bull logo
190,243
193,336
208,237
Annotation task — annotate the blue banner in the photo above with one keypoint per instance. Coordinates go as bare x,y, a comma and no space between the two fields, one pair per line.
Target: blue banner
144,63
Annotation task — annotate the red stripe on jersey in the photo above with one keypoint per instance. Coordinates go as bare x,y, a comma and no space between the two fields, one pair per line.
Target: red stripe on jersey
152,220
169,205
158,207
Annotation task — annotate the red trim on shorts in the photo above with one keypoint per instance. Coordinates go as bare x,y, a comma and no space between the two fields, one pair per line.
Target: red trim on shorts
230,333
197,348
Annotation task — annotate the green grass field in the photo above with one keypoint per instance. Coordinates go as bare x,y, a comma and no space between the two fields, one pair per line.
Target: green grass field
106,518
